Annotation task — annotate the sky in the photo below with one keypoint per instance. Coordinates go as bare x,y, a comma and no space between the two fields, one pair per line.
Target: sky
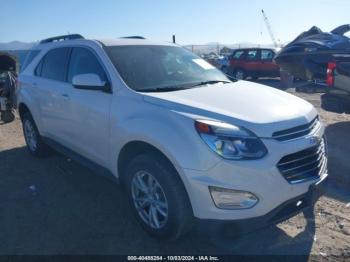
192,21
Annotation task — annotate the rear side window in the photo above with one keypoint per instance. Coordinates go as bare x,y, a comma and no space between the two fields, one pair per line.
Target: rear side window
54,64
83,61
29,58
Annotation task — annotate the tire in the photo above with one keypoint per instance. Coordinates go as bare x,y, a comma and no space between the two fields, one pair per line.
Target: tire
332,104
7,116
170,204
34,141
239,74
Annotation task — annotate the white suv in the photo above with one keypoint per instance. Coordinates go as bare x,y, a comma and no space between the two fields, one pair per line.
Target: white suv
184,141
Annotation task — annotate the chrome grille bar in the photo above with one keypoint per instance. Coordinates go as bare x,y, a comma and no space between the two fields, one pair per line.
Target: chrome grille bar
304,165
297,131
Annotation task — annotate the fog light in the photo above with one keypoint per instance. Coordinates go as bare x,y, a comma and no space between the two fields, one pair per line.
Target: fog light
232,199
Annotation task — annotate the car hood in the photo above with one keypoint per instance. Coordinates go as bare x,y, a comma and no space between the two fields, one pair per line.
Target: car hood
260,108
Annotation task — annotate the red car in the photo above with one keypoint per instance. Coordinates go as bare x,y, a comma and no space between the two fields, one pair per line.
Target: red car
253,62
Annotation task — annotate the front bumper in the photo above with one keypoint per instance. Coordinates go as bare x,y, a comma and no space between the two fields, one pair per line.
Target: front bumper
281,213
259,177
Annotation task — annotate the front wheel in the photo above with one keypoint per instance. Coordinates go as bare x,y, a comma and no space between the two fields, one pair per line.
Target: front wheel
157,197
239,74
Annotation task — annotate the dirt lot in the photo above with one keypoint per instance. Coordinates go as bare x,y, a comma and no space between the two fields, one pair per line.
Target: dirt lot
55,206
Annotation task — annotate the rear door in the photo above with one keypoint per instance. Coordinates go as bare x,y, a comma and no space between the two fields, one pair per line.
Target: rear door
53,93
268,66
88,124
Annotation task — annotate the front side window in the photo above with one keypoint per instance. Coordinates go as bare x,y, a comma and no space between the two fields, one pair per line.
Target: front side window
54,64
151,68
238,55
83,61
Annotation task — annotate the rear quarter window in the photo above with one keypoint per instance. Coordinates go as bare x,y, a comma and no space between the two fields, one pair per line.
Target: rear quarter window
29,58
267,55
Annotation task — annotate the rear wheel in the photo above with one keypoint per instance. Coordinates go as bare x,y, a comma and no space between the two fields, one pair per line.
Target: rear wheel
157,197
34,141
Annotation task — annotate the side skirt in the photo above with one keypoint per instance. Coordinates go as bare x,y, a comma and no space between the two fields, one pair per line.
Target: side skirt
96,168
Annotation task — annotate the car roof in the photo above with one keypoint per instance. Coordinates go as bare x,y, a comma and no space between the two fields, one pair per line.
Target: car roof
131,41
103,42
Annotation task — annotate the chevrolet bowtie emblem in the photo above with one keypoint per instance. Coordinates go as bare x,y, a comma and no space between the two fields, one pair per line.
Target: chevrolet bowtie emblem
315,140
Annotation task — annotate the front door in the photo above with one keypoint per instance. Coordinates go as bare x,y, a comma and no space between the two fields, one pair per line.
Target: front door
88,125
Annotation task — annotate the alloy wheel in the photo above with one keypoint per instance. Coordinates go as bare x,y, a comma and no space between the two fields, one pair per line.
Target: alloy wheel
30,135
149,200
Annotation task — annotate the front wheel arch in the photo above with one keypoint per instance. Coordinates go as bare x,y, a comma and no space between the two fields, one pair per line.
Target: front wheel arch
135,148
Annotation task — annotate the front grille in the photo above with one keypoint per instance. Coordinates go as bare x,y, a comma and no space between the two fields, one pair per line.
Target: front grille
297,131
304,165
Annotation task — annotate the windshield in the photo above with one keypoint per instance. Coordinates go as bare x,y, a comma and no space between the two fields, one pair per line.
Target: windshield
162,68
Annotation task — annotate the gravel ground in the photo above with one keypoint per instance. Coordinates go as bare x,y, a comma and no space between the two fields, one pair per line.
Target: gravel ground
56,206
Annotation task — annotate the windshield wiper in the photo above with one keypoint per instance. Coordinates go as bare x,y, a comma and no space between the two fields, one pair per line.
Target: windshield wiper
163,89
211,82
182,87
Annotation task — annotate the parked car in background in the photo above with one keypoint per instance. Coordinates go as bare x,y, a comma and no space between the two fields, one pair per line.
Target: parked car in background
308,55
253,62
185,142
223,63
211,58
337,97
8,82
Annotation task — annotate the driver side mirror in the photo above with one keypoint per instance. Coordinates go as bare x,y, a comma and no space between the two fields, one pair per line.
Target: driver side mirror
90,82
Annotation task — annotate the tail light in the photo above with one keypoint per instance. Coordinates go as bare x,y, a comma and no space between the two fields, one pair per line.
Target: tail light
330,73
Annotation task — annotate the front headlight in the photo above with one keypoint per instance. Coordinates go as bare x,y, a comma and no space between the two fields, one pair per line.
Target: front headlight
229,141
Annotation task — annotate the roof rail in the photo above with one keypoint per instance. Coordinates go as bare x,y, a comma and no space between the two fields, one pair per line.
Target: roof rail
133,37
61,38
